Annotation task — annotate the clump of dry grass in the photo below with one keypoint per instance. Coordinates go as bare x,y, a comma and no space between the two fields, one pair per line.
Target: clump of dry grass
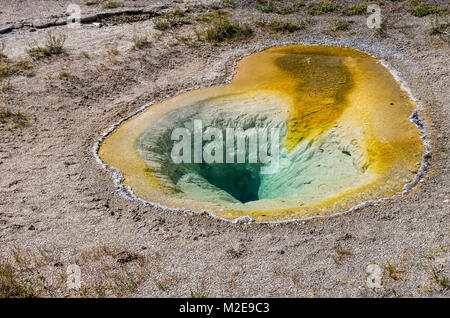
438,28
12,286
114,51
171,19
267,6
229,3
355,9
166,282
199,292
323,7
126,18
105,272
161,24
223,29
2,48
6,87
270,6
393,272
439,278
381,31
7,69
341,254
112,271
211,16
53,46
434,252
13,119
64,75
140,42
340,26
281,26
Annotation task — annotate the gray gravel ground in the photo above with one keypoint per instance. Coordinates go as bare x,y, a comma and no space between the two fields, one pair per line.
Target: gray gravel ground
59,207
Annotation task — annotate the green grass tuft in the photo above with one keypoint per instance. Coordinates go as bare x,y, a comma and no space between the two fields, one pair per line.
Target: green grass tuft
421,9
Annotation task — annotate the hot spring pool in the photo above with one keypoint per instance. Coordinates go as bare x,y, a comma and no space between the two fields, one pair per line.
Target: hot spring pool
334,121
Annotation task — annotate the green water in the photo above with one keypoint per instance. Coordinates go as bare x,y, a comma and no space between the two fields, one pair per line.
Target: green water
309,172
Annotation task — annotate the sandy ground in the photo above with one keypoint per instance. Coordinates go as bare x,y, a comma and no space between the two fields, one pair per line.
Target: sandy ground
59,207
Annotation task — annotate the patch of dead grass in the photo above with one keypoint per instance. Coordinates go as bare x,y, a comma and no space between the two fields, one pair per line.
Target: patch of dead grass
13,120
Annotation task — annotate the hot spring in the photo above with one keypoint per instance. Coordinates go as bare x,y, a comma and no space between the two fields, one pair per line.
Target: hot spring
334,123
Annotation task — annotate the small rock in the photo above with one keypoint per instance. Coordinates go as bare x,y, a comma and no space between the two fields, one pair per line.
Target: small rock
243,220
31,228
